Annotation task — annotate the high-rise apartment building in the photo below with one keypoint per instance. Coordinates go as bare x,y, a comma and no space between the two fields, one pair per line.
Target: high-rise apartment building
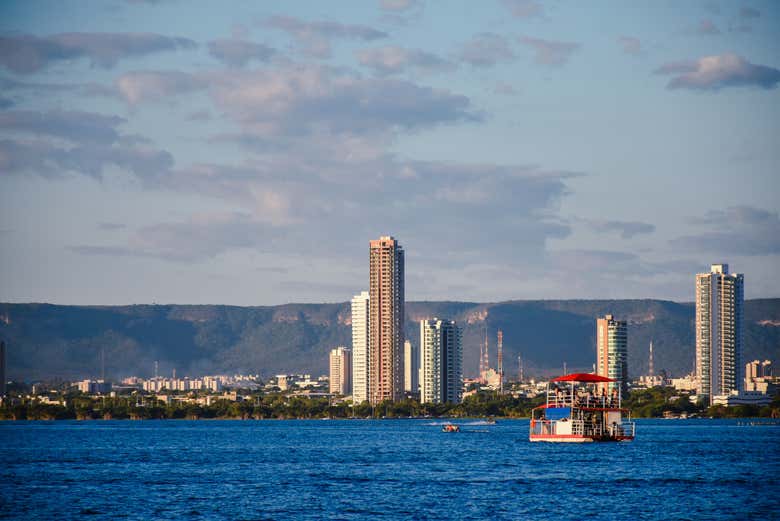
386,319
360,348
411,367
719,331
341,371
441,361
612,351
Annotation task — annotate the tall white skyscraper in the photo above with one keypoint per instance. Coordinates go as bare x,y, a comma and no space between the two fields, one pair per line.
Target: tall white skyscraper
441,361
719,331
341,371
411,367
360,347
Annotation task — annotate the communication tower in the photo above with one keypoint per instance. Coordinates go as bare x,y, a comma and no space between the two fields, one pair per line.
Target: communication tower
520,368
500,368
651,369
484,363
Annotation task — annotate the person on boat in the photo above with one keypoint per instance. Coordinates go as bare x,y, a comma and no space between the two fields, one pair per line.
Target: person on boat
614,400
603,397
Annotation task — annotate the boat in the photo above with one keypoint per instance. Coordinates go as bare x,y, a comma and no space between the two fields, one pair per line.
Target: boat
449,427
579,409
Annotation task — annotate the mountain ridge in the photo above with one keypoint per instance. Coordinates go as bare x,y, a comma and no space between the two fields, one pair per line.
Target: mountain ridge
48,341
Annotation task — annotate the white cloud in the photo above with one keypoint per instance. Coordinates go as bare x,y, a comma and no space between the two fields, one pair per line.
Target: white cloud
27,53
717,72
315,37
238,52
736,230
392,59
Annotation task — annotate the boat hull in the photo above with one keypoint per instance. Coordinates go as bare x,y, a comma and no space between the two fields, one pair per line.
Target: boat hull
562,439
575,438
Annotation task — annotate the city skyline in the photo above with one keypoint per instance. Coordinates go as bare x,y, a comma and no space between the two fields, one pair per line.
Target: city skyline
197,161
224,222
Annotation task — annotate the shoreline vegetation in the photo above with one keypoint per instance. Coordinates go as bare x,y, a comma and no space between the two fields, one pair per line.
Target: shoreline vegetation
650,403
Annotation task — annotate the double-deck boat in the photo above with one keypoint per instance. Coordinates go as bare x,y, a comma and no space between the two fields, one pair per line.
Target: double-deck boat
580,408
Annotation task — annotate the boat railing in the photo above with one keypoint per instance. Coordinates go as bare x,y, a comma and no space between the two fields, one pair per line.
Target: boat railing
592,429
558,398
622,429
596,402
540,427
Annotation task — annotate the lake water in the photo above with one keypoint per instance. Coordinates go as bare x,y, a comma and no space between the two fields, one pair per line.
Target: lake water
392,469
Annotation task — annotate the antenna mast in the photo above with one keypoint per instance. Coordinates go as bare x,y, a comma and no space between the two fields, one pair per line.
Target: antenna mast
484,359
520,368
651,370
500,348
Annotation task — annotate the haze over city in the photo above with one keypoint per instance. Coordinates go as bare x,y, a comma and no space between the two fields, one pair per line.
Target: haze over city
184,152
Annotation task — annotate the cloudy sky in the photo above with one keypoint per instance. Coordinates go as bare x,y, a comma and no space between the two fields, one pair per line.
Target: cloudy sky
189,152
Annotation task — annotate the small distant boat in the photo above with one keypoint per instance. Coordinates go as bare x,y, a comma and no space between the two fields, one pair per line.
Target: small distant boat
576,413
449,427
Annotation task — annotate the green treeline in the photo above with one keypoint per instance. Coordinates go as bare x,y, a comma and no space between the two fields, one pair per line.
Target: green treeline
270,406
650,403
653,403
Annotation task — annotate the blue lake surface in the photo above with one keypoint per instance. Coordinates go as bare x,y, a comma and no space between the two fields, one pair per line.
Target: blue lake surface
391,469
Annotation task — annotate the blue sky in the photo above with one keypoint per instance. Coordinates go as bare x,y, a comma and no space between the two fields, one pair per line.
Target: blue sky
189,152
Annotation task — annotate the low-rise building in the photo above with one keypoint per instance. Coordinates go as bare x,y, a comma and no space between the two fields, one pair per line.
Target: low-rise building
742,398
94,386
686,383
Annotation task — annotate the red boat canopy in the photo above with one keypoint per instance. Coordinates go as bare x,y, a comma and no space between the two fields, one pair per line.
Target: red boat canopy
582,377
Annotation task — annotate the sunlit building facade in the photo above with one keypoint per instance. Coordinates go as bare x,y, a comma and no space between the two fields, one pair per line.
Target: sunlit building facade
386,320
441,361
360,347
341,371
719,332
612,351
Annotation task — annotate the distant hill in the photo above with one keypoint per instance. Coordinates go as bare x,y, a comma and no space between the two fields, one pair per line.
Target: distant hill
49,341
